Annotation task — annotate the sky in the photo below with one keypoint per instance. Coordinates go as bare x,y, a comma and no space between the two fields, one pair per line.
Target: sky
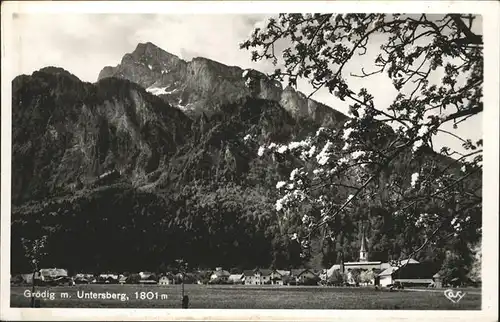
84,43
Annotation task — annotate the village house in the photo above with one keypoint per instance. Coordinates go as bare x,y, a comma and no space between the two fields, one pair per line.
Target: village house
166,279
47,274
277,276
108,278
414,274
28,278
83,278
252,277
122,279
301,275
385,277
220,274
147,278
266,276
236,278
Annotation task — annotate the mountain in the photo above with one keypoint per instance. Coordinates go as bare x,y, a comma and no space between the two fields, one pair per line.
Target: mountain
97,166
68,134
201,85
158,160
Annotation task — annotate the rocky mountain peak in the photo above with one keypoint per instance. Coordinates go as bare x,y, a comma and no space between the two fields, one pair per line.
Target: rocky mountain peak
203,85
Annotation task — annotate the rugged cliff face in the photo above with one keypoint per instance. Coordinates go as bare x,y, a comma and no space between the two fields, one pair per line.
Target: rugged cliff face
68,134
202,85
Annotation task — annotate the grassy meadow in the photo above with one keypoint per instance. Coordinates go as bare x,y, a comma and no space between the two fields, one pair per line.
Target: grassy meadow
248,297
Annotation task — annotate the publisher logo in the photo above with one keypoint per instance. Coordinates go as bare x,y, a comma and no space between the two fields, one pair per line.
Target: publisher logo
455,297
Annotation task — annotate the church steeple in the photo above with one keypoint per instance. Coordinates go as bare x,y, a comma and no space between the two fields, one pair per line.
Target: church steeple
363,254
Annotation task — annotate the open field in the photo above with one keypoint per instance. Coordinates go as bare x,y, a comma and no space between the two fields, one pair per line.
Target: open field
248,297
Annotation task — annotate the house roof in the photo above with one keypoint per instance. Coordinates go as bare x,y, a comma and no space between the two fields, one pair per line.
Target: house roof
388,271
407,261
300,271
282,272
221,273
265,272
249,272
235,277
145,275
384,266
53,272
362,263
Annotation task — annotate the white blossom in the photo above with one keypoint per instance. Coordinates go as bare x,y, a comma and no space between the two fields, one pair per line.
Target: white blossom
290,186
417,145
297,144
294,236
424,129
464,168
293,174
347,133
357,154
410,49
362,112
321,129
323,156
343,161
318,171
327,35
247,137
324,51
261,151
282,149
305,219
244,74
322,159
280,184
299,195
414,179
271,146
311,151
403,129
280,203
350,197
453,221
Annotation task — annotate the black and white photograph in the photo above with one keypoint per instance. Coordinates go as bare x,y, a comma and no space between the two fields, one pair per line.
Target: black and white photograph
238,159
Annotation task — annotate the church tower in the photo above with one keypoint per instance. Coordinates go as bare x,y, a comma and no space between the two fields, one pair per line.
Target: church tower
363,253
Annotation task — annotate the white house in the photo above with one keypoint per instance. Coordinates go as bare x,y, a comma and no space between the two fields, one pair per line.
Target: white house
145,275
301,274
219,273
386,276
236,278
165,280
252,277
51,273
